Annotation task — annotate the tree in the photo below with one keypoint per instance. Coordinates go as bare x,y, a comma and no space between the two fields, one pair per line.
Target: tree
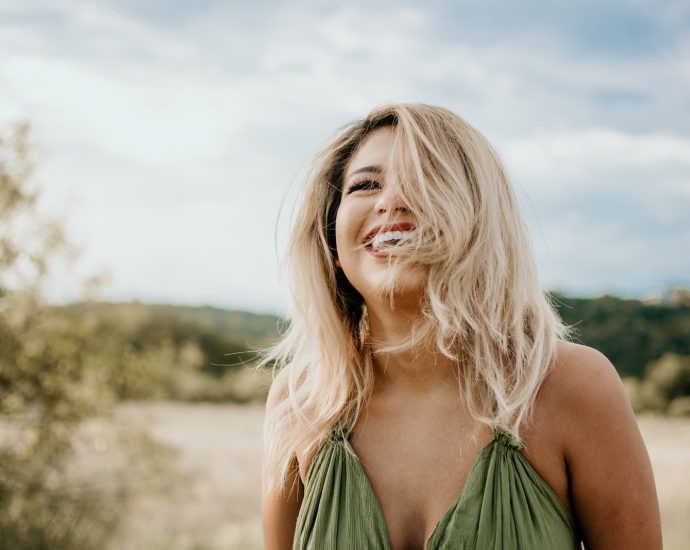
43,393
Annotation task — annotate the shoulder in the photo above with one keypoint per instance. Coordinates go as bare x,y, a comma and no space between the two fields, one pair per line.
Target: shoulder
611,481
280,508
581,389
587,399
277,394
275,427
585,383
278,390
573,360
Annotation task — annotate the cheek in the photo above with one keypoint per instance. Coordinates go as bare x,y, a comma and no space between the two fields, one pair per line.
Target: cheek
345,231
339,231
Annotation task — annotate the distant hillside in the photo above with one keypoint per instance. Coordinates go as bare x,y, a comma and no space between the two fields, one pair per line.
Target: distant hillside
252,329
226,338
630,333
243,327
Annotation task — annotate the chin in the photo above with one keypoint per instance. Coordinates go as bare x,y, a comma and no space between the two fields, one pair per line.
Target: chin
404,297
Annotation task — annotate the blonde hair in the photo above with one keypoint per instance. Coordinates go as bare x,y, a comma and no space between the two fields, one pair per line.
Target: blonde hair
483,307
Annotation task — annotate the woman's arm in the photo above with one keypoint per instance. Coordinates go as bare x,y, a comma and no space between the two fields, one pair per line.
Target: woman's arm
280,510
611,480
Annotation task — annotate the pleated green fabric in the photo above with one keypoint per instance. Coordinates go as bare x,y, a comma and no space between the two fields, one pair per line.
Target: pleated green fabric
504,505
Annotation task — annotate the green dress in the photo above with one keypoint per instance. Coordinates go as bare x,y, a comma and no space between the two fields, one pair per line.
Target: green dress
504,505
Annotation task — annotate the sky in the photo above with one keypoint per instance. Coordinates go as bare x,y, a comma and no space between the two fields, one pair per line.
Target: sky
169,133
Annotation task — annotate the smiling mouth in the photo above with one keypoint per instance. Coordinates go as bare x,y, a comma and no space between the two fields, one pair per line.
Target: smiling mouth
388,239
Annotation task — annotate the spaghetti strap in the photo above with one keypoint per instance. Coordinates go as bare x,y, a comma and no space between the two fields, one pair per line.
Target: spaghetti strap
505,436
341,430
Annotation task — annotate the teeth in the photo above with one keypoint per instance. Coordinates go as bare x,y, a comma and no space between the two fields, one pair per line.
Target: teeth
388,238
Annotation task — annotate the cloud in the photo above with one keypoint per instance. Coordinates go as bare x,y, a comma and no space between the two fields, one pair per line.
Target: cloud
173,135
579,153
609,203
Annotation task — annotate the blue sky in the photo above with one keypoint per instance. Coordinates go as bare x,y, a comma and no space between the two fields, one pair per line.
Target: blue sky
169,131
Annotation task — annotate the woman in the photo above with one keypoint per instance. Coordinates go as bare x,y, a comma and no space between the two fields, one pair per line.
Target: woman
427,396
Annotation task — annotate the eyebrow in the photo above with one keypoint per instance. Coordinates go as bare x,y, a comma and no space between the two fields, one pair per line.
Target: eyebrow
375,169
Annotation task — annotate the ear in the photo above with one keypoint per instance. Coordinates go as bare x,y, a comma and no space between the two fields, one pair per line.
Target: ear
337,262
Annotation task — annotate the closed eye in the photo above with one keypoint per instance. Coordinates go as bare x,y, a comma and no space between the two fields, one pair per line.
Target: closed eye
363,185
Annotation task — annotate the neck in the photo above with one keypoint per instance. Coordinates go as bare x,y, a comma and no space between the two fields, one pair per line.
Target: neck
417,371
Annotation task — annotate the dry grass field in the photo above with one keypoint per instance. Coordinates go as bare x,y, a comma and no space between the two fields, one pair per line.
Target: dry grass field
668,443
210,498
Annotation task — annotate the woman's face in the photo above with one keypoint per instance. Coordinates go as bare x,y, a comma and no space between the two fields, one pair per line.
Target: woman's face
371,204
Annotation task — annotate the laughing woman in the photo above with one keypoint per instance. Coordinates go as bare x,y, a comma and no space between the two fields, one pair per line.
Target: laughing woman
427,396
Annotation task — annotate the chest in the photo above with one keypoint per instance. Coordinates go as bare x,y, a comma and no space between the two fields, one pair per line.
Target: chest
417,466
418,458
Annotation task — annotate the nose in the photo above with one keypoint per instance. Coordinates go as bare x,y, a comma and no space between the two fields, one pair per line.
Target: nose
390,200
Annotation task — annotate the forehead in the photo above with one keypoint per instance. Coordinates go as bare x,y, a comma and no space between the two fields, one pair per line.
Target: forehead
374,150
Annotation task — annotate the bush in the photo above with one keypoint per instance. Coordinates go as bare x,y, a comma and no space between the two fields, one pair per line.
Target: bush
680,406
43,389
665,388
47,383
671,375
643,396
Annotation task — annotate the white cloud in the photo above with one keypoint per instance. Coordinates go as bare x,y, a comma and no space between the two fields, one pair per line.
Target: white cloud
609,203
582,155
175,141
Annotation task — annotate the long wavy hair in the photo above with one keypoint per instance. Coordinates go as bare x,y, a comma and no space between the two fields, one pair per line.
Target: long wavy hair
483,305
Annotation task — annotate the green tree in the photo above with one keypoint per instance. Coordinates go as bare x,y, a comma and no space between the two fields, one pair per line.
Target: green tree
630,333
43,389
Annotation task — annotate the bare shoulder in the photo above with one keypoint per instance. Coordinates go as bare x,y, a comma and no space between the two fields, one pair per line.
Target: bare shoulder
581,387
280,508
611,481
579,372
278,390
276,394
589,401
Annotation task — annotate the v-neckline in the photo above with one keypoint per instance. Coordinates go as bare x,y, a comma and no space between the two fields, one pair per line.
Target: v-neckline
453,506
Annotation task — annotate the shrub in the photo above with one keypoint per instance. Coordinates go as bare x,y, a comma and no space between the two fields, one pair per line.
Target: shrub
671,375
680,406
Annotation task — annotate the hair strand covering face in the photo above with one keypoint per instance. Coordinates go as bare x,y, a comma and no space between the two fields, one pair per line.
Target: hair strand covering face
484,307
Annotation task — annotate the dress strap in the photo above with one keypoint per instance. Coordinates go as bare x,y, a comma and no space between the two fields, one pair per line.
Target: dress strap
504,436
341,430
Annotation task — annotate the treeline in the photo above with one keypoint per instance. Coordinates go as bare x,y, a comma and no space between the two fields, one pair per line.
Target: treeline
649,344
197,354
631,333
176,353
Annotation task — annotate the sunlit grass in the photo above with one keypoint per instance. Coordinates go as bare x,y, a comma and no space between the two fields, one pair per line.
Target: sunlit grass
668,443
